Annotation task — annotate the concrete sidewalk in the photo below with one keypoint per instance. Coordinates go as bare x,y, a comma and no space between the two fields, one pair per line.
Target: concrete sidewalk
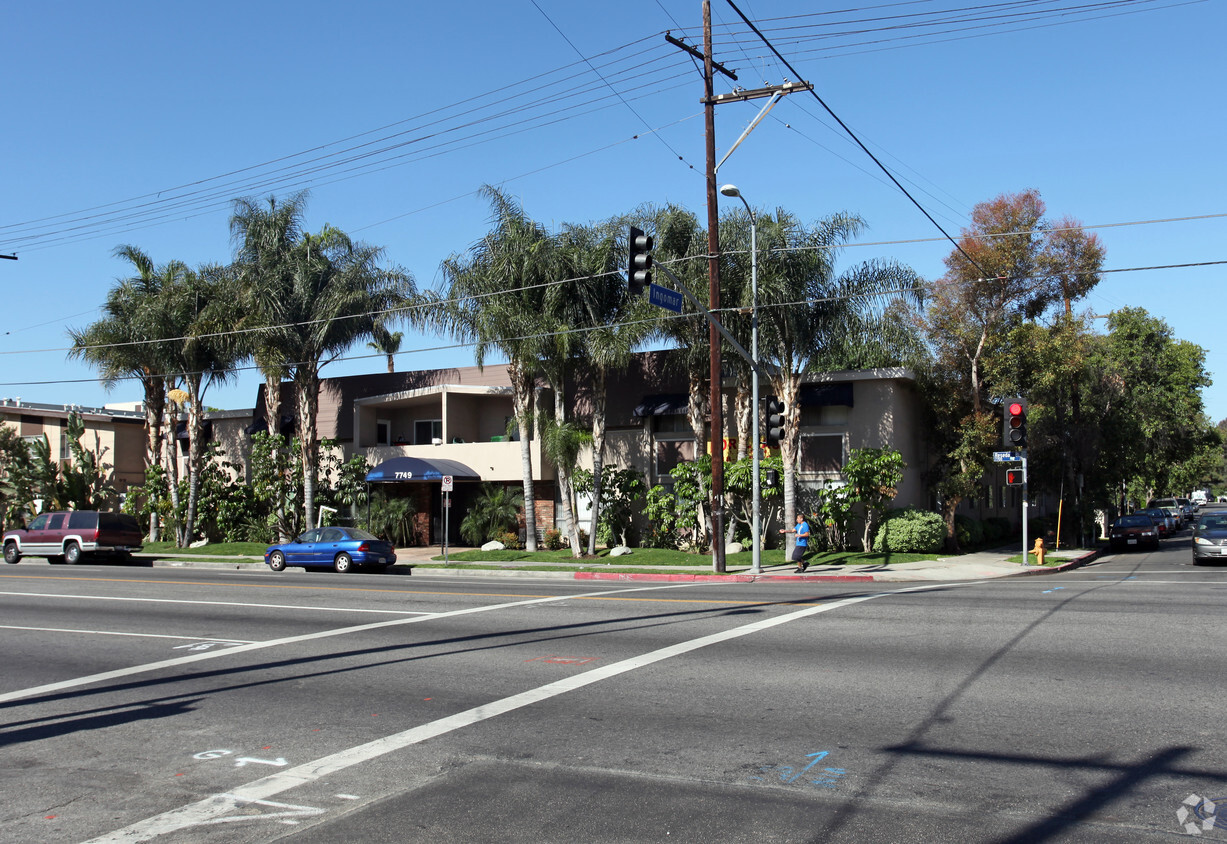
981,565
976,566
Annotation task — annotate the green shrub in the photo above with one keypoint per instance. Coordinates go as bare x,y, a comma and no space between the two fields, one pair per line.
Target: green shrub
910,531
553,539
509,539
997,528
968,530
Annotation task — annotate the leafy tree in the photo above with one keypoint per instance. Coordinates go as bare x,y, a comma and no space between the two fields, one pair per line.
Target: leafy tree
1010,266
872,477
19,481
621,492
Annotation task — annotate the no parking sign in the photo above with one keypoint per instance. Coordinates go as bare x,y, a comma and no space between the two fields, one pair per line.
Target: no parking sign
447,483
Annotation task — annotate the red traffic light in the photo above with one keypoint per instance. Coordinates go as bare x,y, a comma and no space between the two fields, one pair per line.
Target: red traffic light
1016,409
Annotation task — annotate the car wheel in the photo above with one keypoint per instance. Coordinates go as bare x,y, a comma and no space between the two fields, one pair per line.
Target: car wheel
276,561
72,553
343,562
11,554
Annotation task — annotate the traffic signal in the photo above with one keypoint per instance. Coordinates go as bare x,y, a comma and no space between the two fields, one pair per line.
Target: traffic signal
775,421
1014,477
1014,432
639,270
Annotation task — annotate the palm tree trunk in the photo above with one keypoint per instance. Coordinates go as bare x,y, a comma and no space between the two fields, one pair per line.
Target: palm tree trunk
522,396
566,490
272,418
789,392
170,442
155,407
195,456
308,388
599,406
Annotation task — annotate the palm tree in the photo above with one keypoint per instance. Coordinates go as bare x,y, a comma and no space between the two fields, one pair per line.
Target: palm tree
386,343
613,322
311,297
810,316
339,294
495,297
123,345
201,309
265,236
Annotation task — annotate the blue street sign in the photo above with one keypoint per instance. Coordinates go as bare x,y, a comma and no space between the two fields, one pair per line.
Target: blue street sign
665,298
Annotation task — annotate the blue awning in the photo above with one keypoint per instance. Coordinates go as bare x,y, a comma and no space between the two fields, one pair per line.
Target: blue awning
403,469
667,404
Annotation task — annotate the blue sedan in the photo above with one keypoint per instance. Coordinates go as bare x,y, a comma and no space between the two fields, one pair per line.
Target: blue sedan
339,548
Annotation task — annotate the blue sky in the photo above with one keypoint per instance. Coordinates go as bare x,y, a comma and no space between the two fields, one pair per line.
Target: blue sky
139,122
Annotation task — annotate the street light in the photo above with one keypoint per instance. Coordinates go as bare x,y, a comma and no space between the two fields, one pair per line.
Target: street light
756,550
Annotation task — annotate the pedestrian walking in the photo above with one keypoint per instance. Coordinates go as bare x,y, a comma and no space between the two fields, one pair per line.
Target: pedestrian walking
798,550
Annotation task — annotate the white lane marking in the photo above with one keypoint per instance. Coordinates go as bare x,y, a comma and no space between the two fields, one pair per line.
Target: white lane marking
134,635
211,808
211,603
305,637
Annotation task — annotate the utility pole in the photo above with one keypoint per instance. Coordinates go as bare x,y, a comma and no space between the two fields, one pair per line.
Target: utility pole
710,101
713,302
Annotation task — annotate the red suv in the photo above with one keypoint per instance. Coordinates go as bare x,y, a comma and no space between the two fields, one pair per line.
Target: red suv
67,536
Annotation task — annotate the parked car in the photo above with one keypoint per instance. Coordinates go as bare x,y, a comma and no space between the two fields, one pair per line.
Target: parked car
1188,508
70,536
1164,521
339,548
1170,504
1134,531
1210,538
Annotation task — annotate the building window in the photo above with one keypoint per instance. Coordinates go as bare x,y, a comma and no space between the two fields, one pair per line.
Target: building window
383,432
828,414
822,453
425,431
65,450
673,423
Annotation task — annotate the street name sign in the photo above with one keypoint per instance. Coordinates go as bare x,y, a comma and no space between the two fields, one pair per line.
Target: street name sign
665,298
1006,457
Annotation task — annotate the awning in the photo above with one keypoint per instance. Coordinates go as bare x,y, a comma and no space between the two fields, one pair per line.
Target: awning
667,404
182,434
822,395
401,469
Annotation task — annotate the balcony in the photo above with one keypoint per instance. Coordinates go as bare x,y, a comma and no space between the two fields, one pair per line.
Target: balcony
494,461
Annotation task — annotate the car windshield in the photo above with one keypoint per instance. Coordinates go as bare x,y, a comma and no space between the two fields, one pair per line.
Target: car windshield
1133,521
1212,524
358,533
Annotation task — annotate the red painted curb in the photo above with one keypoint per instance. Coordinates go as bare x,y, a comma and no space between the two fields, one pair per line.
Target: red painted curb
722,578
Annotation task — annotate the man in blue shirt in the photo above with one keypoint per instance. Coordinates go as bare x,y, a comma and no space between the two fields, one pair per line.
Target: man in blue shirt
798,551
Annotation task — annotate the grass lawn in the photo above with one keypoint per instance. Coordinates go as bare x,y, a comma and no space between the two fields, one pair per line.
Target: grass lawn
217,549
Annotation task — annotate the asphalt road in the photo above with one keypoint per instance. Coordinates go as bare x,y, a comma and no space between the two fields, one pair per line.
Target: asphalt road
227,706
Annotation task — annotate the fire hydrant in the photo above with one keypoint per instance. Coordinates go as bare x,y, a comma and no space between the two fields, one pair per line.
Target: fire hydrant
1038,551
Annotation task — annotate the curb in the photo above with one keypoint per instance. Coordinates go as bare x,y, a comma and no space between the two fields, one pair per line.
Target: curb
1077,562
